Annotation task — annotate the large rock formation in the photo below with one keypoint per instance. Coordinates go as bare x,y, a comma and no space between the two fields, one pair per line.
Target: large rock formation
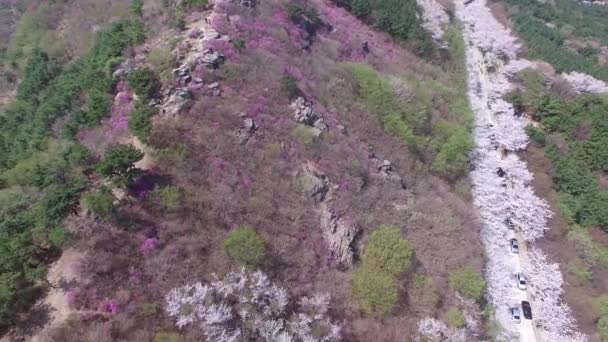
337,231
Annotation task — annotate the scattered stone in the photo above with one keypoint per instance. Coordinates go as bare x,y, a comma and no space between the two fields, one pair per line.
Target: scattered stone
180,100
212,58
213,85
122,71
211,35
385,168
339,235
304,114
341,129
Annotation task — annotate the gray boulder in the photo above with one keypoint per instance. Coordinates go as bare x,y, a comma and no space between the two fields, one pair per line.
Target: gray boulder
179,100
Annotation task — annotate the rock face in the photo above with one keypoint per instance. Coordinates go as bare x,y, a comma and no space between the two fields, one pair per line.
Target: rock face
305,114
246,3
339,235
179,100
212,59
247,131
316,184
337,232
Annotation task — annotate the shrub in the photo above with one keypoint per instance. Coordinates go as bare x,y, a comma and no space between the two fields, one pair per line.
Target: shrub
100,202
58,236
603,301
289,87
144,82
239,45
468,283
245,246
361,8
195,4
137,7
423,294
536,135
602,328
118,164
580,272
387,251
168,337
375,292
140,122
169,196
149,309
455,318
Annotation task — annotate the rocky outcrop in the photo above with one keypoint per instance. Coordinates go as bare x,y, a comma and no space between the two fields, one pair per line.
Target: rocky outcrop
315,183
247,131
337,231
305,114
179,100
339,235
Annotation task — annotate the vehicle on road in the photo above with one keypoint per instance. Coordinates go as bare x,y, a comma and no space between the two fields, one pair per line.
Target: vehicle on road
515,315
521,281
527,309
514,246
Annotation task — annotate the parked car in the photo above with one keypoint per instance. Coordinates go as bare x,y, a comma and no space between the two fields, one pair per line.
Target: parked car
515,315
509,223
521,281
514,246
525,305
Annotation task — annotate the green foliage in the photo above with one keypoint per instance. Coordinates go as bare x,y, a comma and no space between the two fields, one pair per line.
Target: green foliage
118,164
239,45
387,252
361,8
289,87
144,82
580,272
455,318
245,246
549,42
195,4
100,202
168,337
137,7
149,309
450,142
536,134
376,292
39,72
602,328
575,135
49,170
299,13
140,121
603,301
169,196
468,283
58,236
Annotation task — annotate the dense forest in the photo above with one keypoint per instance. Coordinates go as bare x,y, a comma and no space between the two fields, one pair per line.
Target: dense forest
546,27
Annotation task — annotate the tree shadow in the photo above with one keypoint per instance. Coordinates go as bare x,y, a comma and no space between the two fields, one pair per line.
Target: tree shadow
34,320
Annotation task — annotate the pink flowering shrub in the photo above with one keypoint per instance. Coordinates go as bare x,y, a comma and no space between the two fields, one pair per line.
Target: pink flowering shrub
148,246
109,306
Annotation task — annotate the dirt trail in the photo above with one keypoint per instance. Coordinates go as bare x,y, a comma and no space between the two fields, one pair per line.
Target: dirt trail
64,269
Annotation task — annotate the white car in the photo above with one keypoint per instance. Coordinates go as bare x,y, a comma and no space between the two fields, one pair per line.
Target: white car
515,315
514,246
521,281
